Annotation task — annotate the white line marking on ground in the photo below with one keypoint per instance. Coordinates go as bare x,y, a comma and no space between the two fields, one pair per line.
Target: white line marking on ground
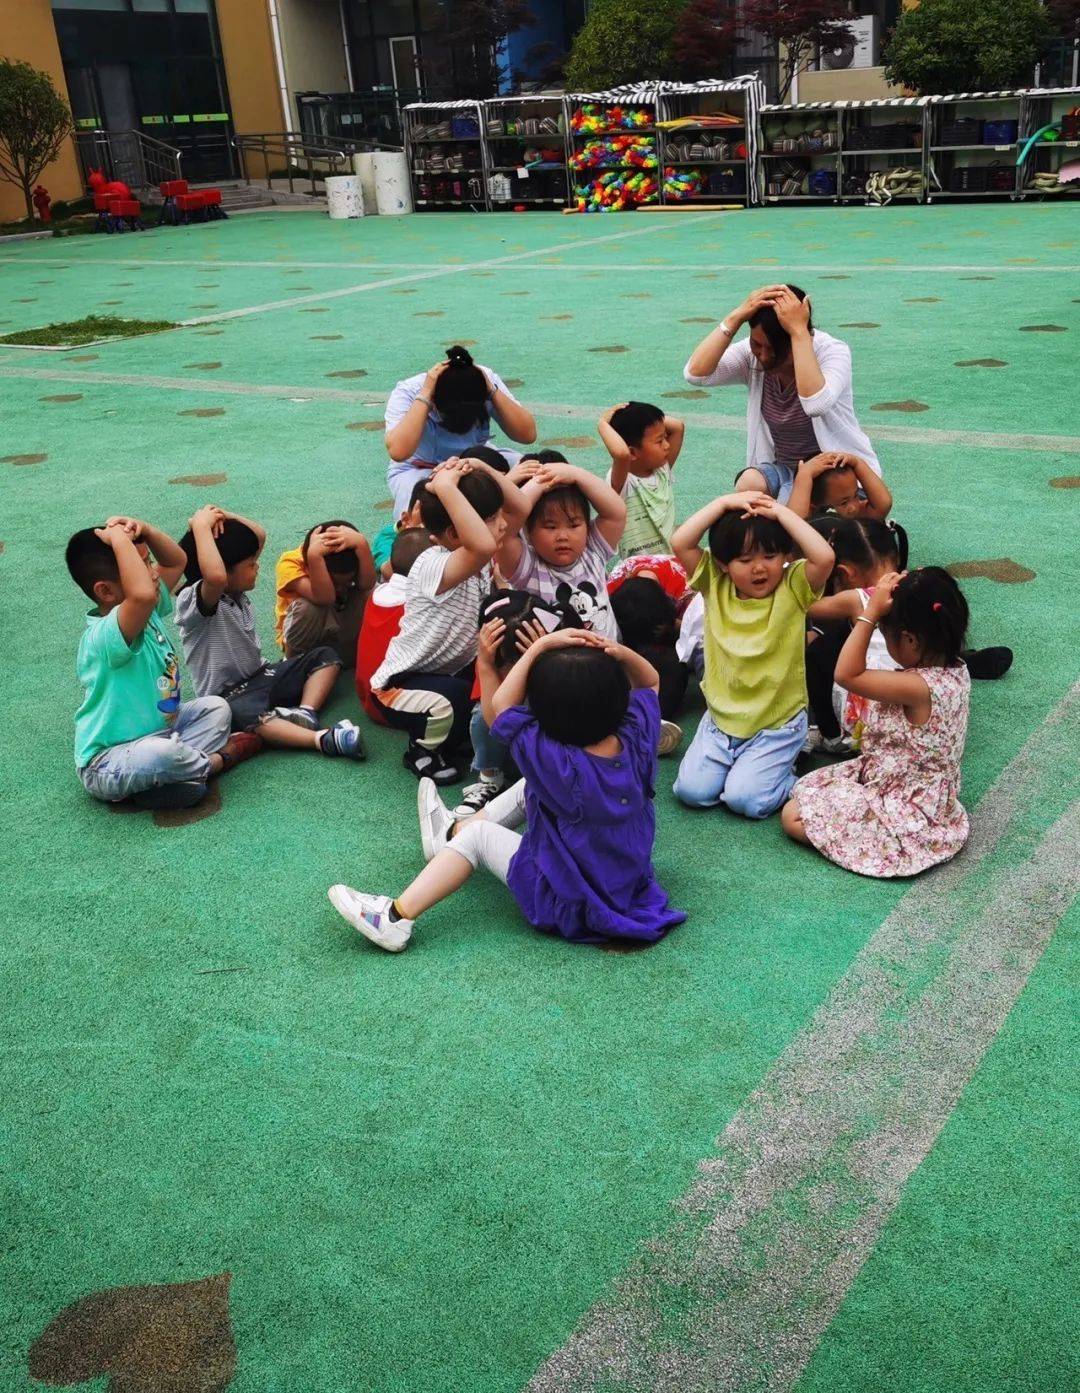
778,1225
742,267
699,420
428,273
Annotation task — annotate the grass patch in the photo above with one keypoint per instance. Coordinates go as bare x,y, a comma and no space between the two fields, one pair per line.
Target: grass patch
88,330
59,227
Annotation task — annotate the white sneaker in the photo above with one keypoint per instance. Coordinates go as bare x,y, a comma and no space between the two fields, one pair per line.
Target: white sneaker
479,794
813,741
670,738
435,821
370,915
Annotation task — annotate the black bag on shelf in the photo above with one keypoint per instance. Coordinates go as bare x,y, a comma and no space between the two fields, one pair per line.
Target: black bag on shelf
968,178
962,130
1001,178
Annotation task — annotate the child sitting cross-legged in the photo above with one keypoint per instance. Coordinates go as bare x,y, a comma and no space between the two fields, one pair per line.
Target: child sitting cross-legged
581,718
644,444
755,601
280,701
424,684
561,554
896,810
384,610
322,588
134,737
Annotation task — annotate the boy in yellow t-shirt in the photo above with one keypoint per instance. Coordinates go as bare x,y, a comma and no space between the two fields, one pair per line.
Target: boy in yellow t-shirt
756,598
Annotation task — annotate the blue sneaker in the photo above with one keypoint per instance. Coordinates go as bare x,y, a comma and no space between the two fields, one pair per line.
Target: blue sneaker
343,738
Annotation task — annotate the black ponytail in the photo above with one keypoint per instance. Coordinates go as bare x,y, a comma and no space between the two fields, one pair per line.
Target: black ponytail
929,604
461,393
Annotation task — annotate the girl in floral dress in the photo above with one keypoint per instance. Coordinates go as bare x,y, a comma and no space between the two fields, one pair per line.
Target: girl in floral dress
895,810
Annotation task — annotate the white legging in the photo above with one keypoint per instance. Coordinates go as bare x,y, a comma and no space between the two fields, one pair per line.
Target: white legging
487,840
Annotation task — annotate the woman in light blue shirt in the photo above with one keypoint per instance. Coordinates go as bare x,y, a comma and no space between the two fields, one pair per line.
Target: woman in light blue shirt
437,414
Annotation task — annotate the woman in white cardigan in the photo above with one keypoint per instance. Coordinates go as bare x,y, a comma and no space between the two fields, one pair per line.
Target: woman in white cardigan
799,379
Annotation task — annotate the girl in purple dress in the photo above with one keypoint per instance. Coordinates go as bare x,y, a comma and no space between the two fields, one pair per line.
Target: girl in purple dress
581,716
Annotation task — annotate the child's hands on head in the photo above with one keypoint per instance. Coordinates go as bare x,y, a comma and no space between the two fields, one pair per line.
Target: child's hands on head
134,527
209,515
529,632
553,476
523,472
446,476
881,597
339,538
491,636
317,542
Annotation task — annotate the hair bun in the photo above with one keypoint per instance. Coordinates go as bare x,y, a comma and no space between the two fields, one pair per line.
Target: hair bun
459,357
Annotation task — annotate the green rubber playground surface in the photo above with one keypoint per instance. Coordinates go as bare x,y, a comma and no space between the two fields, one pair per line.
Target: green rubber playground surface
423,1172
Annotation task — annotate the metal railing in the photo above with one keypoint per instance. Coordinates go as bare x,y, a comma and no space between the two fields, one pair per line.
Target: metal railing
290,152
141,161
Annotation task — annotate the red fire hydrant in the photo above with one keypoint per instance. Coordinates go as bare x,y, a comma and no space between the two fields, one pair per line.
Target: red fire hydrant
41,201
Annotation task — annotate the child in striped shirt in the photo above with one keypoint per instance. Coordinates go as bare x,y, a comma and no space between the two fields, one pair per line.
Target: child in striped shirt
424,684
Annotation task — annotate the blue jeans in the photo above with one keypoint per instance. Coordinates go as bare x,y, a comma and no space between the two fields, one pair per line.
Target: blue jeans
488,753
752,776
176,755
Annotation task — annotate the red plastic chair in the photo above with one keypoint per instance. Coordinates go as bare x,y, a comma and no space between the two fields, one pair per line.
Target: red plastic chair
125,215
189,205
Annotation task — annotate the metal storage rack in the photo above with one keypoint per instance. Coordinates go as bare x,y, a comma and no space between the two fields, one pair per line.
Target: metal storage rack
637,97
1047,107
795,141
515,127
882,136
728,176
435,186
962,128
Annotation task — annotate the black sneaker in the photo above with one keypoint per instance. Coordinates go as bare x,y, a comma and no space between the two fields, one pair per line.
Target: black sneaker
169,796
429,764
988,664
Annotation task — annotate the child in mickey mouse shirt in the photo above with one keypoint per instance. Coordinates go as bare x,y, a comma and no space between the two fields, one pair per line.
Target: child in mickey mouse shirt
562,552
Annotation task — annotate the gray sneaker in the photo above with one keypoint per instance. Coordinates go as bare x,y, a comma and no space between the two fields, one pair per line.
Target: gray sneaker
305,716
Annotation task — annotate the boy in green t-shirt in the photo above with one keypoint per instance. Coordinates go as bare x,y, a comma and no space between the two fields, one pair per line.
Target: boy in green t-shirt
756,598
644,444
134,738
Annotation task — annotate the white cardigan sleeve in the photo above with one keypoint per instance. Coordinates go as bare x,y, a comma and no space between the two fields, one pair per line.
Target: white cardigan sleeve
834,360
734,366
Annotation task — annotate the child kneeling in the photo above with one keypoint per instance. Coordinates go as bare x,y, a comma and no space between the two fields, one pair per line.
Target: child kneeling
755,603
581,717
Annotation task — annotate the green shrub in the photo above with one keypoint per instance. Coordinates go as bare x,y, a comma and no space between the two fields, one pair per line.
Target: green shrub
623,41
966,45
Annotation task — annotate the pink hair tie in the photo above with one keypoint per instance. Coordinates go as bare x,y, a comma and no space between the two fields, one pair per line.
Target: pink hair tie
936,606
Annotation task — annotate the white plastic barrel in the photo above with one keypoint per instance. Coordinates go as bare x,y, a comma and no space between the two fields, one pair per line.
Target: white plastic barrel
364,167
392,192
343,196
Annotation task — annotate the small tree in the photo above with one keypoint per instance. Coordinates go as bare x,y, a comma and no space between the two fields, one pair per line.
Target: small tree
623,41
955,46
704,39
798,28
34,123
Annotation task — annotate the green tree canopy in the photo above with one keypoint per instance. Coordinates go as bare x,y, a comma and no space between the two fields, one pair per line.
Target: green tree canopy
966,45
623,41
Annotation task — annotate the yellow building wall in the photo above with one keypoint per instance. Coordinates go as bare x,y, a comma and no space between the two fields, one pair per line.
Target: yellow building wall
250,68
28,35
